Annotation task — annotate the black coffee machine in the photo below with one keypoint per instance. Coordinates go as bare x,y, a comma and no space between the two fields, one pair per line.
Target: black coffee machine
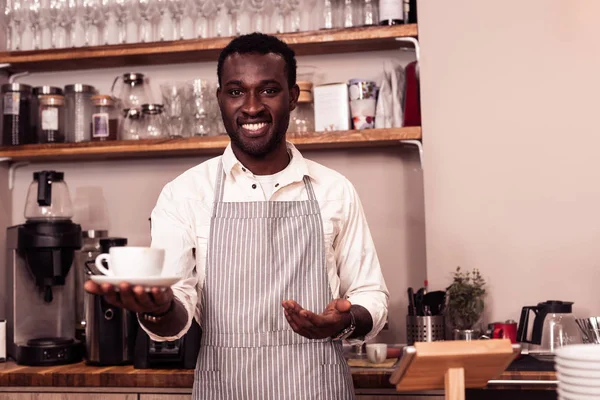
40,292
181,353
110,331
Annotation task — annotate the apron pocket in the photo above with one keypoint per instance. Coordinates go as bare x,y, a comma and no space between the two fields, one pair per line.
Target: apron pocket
336,382
207,385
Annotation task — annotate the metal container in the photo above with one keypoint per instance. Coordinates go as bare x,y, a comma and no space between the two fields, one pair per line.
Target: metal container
425,329
79,109
16,114
35,102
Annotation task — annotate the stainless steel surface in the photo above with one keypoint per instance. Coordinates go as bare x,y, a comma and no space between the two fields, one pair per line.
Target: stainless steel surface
28,315
99,323
425,329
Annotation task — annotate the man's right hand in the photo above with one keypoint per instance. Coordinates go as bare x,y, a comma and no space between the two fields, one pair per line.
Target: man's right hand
133,298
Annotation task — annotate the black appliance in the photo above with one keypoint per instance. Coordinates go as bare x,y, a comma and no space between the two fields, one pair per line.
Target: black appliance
181,353
110,331
40,290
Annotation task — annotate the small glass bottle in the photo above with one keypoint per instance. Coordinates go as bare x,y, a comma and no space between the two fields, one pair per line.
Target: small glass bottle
51,128
105,119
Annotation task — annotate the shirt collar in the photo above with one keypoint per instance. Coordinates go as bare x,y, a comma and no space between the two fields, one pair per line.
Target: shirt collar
297,167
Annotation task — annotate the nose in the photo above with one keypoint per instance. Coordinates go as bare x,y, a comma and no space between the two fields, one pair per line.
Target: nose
253,105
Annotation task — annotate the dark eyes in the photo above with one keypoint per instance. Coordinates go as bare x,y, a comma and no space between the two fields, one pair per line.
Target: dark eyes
267,91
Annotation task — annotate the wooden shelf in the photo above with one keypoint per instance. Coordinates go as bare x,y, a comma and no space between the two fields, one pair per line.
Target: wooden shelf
197,146
185,51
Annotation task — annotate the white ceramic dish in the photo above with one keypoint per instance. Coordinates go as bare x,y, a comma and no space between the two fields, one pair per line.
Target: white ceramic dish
566,395
146,282
578,380
580,390
585,365
578,372
579,352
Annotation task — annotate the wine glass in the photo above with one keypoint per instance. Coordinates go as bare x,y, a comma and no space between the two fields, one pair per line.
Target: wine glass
53,13
235,8
88,10
147,11
177,9
257,7
68,10
35,20
120,9
162,6
198,10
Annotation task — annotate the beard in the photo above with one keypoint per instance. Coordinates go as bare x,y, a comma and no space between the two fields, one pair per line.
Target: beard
258,148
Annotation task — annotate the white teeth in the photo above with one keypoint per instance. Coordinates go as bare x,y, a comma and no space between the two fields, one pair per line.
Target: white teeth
254,127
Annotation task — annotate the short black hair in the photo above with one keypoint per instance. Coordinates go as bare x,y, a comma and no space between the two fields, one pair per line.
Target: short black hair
259,43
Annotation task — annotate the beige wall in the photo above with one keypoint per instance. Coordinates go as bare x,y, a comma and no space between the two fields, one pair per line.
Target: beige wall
510,103
389,181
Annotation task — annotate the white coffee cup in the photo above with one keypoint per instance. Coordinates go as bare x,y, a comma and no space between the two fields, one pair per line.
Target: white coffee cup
377,352
132,262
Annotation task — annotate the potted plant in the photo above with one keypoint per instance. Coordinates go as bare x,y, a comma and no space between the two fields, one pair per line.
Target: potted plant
465,303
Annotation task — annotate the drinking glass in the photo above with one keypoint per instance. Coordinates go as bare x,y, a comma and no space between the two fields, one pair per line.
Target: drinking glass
35,20
147,12
162,6
88,10
53,14
120,9
68,11
235,8
257,7
8,10
177,9
176,99
198,11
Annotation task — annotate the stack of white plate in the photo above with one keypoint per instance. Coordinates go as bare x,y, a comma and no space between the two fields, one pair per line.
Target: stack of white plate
578,372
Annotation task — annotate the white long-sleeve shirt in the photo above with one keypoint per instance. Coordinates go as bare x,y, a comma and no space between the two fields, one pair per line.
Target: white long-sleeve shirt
181,223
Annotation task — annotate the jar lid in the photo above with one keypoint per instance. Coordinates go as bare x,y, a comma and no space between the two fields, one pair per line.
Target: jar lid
133,77
103,100
79,88
131,113
152,108
47,90
52,99
16,87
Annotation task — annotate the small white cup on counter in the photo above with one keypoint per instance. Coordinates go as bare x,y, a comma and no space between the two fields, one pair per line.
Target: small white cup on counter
132,262
377,352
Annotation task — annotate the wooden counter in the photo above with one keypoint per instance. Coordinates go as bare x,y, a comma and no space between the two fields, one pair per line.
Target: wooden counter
81,375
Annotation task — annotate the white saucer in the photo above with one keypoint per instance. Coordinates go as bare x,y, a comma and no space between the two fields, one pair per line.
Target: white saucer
148,282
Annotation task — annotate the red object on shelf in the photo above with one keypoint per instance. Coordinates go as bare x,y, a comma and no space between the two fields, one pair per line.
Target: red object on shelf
412,97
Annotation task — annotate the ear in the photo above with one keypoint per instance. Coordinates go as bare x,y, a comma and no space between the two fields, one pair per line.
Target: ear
219,95
294,94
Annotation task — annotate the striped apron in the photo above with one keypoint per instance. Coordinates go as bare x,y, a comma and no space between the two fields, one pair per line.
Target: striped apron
259,254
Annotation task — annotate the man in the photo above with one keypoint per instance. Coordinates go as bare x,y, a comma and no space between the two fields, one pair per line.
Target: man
277,261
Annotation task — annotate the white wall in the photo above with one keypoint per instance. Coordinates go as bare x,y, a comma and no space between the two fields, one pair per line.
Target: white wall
510,105
388,180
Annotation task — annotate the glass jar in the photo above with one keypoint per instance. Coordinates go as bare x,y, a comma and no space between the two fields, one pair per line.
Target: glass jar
16,114
78,115
153,124
105,119
35,105
88,253
51,201
131,126
51,128
302,118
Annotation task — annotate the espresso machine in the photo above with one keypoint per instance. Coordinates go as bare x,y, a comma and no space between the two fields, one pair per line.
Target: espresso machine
40,290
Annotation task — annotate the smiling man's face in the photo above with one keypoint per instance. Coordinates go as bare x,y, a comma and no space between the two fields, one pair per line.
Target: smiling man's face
255,102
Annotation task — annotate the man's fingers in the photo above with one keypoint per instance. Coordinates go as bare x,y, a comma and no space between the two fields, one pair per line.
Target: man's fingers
142,298
161,296
128,298
93,288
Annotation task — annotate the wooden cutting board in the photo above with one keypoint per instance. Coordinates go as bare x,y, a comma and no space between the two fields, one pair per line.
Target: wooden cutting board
364,363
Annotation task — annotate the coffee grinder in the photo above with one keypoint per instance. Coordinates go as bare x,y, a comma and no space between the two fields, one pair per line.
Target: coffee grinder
41,292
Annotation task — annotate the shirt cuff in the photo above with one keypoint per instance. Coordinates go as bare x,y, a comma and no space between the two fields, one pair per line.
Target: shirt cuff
183,299
376,305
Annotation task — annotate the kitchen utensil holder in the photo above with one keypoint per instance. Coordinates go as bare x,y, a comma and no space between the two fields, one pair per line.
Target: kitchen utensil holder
425,329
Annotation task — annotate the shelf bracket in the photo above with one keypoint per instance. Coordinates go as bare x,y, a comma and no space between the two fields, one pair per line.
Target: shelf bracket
12,172
415,43
419,146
